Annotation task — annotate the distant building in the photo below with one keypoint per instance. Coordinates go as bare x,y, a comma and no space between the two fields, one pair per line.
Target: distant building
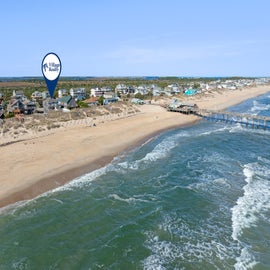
15,105
36,96
96,92
124,89
62,93
45,94
142,89
50,104
121,88
29,107
109,100
2,109
91,101
19,95
78,93
68,102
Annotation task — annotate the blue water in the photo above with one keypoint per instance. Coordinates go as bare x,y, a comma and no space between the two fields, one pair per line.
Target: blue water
191,198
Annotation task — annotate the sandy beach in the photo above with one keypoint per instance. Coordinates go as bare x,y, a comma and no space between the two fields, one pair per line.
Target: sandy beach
37,164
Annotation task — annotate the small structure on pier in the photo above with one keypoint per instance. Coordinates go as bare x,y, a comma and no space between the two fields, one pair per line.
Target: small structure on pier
178,106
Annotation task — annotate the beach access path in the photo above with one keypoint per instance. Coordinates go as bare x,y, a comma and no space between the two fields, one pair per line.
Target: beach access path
34,166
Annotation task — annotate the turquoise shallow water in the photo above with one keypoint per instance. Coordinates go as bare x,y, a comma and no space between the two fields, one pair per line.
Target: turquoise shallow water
191,198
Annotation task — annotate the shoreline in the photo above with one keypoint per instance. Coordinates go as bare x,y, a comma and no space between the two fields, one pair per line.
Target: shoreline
45,163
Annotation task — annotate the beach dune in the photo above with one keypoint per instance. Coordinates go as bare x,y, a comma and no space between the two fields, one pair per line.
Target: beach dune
33,166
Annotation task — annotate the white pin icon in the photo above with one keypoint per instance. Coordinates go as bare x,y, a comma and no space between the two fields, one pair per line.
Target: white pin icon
51,68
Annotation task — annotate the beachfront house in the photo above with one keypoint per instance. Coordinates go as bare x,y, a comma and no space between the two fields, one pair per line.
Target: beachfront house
1,99
142,89
37,97
156,90
67,102
92,101
62,93
122,89
191,92
15,104
103,91
78,93
19,95
173,89
96,92
45,94
110,100
50,104
2,109
29,107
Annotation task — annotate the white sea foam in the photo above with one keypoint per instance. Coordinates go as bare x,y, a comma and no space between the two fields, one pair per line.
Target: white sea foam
251,207
127,200
209,132
160,151
201,244
245,261
255,200
236,128
258,107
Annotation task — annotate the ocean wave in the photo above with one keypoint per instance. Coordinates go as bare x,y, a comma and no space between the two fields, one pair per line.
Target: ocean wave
258,107
127,200
160,151
255,201
209,132
202,244
245,261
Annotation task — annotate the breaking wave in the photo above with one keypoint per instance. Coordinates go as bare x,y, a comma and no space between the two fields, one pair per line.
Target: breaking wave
251,207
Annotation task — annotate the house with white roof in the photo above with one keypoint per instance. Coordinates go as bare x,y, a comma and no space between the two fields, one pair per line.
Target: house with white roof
78,93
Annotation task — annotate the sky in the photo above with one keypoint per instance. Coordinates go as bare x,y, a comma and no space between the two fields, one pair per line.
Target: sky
192,38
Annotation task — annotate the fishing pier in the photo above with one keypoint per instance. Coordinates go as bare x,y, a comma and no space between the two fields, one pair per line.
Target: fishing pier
245,120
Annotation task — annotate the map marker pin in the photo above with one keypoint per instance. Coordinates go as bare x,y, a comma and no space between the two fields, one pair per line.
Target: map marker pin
51,68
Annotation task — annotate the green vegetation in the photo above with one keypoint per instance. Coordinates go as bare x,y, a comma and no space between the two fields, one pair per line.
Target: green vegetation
82,104
100,100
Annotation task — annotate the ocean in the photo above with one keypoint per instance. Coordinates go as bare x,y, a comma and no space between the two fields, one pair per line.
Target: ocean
191,198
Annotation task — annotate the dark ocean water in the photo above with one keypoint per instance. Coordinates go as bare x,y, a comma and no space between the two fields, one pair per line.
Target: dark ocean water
191,198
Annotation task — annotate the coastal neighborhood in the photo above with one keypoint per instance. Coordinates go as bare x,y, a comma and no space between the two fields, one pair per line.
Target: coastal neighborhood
18,104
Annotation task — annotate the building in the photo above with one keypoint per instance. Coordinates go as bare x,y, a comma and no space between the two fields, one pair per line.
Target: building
96,92
15,105
62,93
78,93
142,89
122,89
91,101
109,100
45,94
50,104
37,97
19,95
68,102
29,107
